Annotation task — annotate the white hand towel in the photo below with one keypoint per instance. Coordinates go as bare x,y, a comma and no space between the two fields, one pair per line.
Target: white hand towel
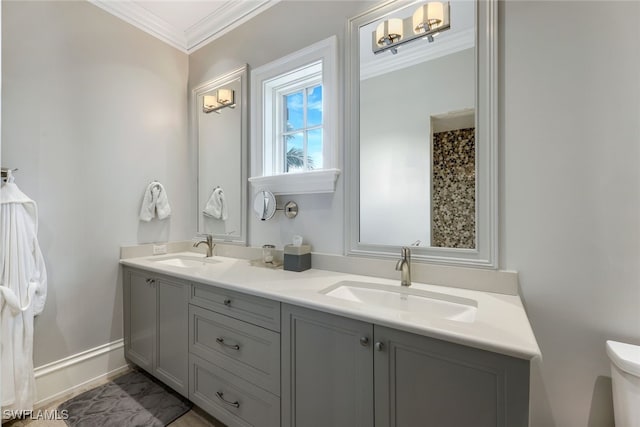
216,206
155,199
162,204
148,208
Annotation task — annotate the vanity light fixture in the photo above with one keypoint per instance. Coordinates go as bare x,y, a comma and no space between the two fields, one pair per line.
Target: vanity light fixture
221,99
428,20
388,33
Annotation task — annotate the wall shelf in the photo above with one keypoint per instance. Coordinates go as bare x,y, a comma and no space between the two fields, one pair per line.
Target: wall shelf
310,182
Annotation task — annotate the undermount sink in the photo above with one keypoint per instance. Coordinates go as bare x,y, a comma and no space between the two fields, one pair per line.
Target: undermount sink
186,261
431,304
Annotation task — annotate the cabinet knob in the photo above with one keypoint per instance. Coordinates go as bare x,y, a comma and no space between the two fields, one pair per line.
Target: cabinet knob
379,346
221,397
227,302
150,282
364,341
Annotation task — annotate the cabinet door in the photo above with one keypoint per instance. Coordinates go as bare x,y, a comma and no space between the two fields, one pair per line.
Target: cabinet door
172,347
421,381
327,370
139,318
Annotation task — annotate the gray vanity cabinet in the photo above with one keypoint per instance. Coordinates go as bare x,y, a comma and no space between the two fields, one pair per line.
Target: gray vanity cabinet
421,381
156,326
340,372
327,370
251,361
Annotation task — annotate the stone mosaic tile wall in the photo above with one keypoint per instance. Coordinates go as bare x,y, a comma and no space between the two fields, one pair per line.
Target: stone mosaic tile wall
453,221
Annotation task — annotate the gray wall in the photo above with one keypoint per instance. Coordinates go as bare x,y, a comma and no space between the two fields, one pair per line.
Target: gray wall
570,193
93,109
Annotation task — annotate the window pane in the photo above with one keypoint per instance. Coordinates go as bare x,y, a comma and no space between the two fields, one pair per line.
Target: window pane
294,152
314,149
294,118
314,106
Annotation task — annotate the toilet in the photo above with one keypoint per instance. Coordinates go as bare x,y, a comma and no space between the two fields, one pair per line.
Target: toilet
625,377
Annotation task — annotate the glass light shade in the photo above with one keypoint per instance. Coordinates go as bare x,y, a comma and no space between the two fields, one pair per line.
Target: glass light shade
389,31
225,96
428,17
209,102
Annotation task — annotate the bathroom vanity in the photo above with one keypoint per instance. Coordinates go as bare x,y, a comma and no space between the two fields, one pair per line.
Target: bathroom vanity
260,347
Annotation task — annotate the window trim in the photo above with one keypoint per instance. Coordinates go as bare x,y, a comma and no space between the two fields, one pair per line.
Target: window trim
264,85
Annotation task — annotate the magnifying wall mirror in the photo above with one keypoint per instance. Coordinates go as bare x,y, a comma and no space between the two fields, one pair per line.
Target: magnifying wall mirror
264,205
422,143
220,127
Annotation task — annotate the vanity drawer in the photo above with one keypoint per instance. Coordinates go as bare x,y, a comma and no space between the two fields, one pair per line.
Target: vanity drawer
241,348
259,311
230,399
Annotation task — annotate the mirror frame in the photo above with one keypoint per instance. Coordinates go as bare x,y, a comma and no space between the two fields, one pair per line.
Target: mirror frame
485,254
241,73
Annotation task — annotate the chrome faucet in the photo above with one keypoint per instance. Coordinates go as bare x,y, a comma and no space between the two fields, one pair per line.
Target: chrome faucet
404,266
208,239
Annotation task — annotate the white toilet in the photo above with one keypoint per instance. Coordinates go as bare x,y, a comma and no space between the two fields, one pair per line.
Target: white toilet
625,376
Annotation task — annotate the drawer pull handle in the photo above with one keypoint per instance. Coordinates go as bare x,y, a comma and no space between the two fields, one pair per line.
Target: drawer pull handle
221,342
221,397
227,302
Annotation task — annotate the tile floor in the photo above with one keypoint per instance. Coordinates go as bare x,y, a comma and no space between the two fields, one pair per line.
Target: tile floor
194,418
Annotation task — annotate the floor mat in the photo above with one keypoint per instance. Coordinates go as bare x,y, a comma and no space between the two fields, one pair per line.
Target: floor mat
132,400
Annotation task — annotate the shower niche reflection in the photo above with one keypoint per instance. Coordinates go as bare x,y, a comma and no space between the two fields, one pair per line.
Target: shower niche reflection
453,180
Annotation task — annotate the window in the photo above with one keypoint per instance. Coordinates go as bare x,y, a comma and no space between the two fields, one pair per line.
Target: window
293,134
300,131
294,117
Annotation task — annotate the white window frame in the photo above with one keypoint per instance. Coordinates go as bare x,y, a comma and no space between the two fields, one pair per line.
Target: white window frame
268,83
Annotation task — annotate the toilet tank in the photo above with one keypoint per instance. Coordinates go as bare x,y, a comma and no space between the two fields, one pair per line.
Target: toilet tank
625,377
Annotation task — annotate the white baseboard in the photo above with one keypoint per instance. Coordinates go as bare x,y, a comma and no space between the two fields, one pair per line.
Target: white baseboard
57,379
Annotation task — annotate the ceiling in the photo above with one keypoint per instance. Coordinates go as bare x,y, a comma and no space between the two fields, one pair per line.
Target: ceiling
185,24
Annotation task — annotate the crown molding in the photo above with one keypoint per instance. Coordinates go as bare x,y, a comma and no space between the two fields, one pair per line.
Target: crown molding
141,18
224,19
386,62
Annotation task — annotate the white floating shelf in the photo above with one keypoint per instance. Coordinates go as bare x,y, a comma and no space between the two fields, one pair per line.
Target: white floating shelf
310,182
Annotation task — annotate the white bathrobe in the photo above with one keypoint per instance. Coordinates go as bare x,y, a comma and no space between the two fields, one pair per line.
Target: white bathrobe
23,291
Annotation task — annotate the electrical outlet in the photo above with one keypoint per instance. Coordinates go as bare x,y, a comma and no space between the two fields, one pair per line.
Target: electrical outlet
159,249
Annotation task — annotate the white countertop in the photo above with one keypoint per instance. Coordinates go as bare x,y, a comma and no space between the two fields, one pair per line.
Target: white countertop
501,324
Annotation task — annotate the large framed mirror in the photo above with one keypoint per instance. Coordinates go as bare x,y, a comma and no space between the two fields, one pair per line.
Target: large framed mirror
422,132
220,129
